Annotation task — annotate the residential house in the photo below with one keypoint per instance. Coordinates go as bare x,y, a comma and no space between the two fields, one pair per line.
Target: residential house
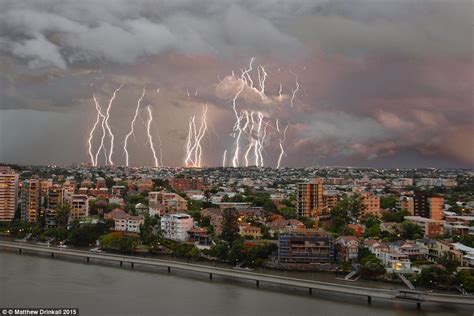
347,248
279,226
176,226
250,231
125,222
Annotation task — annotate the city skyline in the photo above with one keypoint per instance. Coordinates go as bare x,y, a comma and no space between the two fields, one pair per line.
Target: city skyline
380,84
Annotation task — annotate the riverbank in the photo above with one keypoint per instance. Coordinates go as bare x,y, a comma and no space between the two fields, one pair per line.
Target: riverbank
334,276
369,293
323,276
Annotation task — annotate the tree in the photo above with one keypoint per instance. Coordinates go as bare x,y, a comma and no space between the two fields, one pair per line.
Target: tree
18,212
288,212
409,230
467,240
372,226
270,207
370,221
397,217
287,203
109,182
456,209
220,250
466,278
348,208
236,252
448,263
230,226
62,214
147,230
347,231
388,202
370,265
373,231
86,234
98,206
119,241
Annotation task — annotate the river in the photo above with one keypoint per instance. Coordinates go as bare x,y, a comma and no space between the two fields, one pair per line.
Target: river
105,289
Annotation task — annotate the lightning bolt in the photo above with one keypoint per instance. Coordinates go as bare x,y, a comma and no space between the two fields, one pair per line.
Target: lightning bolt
91,134
102,141
261,81
224,158
282,150
262,141
248,118
254,141
295,90
256,136
160,148
259,142
189,141
150,138
237,128
193,157
109,130
132,125
202,132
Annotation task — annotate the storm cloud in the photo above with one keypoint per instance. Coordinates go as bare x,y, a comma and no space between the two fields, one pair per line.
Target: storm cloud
381,83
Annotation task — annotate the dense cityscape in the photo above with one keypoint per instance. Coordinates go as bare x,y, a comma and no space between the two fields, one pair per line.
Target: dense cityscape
414,227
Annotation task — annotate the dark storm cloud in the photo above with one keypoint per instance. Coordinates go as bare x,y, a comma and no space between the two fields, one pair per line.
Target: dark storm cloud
60,33
380,80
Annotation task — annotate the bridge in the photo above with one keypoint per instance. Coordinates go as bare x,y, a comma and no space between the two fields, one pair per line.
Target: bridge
417,297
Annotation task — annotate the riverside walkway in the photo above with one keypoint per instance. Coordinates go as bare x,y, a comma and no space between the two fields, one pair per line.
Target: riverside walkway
417,297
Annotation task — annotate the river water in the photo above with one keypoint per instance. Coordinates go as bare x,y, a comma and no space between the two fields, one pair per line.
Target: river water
106,289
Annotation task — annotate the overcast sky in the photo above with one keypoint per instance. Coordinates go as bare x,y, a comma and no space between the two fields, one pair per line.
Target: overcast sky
381,83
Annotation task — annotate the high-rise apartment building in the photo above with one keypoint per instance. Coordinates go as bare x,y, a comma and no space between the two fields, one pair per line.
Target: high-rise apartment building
436,206
79,206
54,200
407,203
309,198
428,206
371,203
45,185
31,200
8,193
330,200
